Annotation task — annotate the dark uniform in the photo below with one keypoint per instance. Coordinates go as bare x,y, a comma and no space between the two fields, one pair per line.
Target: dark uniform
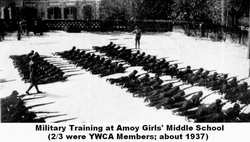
138,33
2,30
33,74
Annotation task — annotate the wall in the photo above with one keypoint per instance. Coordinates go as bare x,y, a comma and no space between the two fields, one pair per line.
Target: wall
48,8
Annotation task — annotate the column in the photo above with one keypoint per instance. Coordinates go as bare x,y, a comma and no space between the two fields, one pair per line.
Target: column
45,13
10,13
62,12
80,12
97,10
223,19
223,12
2,13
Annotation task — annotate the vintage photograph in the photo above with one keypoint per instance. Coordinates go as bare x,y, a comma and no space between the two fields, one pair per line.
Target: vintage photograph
170,61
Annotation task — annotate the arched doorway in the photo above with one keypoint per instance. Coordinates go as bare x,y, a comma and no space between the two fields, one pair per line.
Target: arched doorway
54,13
87,12
70,13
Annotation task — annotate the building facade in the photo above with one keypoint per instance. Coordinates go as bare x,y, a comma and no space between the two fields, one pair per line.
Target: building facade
50,9
9,8
64,9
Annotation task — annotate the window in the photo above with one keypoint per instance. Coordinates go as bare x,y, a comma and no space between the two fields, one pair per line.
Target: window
70,13
54,13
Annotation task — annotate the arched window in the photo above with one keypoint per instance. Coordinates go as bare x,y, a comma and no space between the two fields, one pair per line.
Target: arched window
54,13
70,13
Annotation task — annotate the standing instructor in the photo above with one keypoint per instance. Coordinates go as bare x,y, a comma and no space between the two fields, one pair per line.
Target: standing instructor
33,77
138,34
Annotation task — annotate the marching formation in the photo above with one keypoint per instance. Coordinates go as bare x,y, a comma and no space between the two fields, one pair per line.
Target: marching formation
44,72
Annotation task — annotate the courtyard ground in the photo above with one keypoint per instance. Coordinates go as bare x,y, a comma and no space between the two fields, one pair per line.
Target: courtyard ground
88,98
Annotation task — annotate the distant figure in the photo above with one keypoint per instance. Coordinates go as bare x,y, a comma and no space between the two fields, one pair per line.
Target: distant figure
35,27
33,77
2,30
201,28
19,30
138,33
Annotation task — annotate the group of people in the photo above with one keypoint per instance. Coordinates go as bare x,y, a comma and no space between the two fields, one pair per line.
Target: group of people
169,96
13,109
31,25
23,27
34,69
149,85
233,89
91,62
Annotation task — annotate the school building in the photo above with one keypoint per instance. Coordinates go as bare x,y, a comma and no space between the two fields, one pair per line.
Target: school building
50,9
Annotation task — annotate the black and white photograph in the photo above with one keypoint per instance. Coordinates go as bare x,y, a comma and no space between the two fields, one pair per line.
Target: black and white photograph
144,62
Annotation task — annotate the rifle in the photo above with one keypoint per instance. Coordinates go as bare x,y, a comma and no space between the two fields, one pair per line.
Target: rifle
211,70
87,49
92,51
194,69
141,74
70,70
230,78
126,66
172,61
55,63
118,61
45,57
69,75
177,81
187,88
164,58
242,79
191,94
64,66
47,112
182,68
180,85
53,59
173,80
67,71
176,64
120,44
67,67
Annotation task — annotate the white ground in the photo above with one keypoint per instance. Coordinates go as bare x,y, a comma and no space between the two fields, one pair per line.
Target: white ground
90,98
